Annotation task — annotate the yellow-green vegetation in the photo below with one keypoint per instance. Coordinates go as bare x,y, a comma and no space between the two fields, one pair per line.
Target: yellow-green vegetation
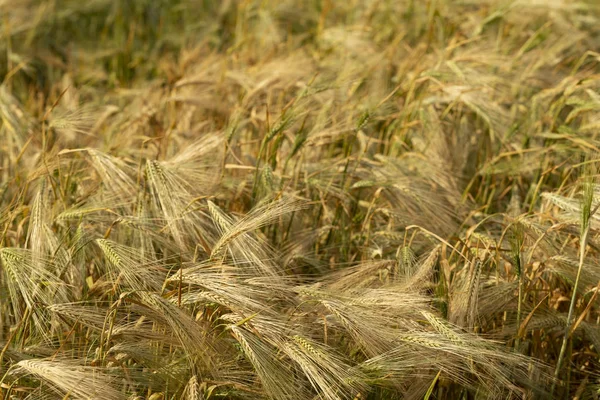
299,199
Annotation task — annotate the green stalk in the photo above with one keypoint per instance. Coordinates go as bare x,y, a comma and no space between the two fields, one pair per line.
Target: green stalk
519,310
516,244
586,213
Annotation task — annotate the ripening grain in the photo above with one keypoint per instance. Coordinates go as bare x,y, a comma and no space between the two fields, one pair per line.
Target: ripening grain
376,199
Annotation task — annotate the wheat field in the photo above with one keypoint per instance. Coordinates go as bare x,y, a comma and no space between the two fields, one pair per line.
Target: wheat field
299,199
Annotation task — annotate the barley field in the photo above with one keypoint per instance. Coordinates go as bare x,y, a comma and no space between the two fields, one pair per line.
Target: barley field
299,199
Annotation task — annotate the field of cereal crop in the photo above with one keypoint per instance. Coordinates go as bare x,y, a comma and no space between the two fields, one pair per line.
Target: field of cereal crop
299,199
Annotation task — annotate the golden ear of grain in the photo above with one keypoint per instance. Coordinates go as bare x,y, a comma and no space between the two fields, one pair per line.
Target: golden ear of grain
192,390
130,266
276,378
69,378
257,218
326,372
442,327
